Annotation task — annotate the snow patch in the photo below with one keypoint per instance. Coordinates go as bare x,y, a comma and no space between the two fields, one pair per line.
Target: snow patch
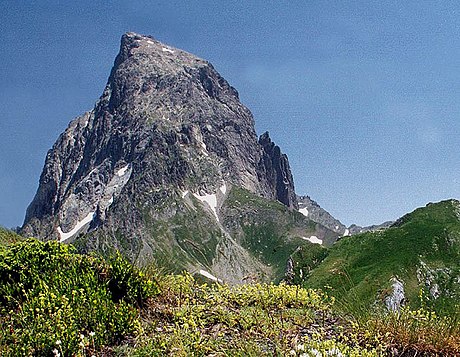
164,49
78,226
304,211
122,171
223,188
110,201
313,239
205,149
185,193
211,200
209,276
346,233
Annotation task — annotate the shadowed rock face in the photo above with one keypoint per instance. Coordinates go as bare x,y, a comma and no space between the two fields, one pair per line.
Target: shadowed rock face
276,168
166,130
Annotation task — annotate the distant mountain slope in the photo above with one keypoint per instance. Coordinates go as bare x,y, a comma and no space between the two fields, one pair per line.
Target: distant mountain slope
149,170
420,252
311,209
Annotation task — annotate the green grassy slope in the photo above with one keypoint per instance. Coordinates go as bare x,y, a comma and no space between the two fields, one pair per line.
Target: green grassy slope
422,249
269,230
188,236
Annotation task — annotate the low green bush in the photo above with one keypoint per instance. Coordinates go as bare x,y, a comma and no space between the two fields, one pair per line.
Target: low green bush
53,300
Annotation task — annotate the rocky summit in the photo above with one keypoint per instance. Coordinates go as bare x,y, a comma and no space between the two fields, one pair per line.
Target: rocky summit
167,167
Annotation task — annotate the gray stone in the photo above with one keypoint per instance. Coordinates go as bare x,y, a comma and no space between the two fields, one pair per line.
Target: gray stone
396,299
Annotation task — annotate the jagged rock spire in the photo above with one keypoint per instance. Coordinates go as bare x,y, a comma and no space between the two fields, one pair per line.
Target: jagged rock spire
276,167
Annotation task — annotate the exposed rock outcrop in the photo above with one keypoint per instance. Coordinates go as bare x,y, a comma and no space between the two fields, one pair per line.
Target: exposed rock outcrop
166,115
316,213
397,298
275,166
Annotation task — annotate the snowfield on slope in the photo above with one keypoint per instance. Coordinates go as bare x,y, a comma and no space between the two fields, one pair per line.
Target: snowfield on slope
211,199
304,211
209,276
64,236
313,239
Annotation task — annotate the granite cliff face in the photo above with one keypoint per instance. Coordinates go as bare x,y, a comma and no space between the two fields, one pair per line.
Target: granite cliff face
149,169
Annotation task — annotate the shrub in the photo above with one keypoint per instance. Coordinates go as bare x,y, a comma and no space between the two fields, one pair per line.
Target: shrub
54,299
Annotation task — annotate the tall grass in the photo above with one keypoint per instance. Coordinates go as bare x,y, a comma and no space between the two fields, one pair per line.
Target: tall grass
405,332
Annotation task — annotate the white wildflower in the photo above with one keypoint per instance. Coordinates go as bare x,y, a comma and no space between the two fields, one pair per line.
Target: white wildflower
315,352
335,352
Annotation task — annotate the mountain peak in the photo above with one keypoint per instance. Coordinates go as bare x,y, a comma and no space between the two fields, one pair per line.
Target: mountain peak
147,69
135,44
156,159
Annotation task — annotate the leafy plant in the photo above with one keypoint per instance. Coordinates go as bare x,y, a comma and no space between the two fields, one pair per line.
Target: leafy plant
54,299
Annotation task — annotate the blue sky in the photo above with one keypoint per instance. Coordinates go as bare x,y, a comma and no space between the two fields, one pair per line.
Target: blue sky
364,97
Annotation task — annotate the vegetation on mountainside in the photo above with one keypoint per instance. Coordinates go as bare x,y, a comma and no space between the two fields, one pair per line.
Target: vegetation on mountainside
305,259
422,249
192,238
191,319
409,332
52,299
7,237
269,230
56,302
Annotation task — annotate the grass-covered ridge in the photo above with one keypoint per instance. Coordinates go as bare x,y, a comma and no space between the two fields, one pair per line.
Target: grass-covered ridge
422,249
